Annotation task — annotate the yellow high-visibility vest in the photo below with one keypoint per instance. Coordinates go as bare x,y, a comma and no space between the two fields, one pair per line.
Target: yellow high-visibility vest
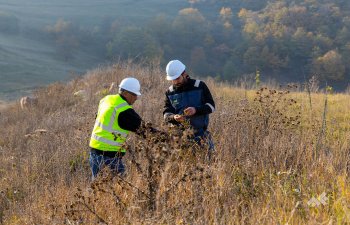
107,134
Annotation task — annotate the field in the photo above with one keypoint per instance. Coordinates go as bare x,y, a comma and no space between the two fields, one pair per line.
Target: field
276,149
28,63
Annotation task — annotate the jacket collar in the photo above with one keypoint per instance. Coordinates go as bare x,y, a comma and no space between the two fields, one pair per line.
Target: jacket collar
123,98
186,86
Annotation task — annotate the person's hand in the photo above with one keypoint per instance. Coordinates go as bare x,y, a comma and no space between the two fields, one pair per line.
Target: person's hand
190,111
179,118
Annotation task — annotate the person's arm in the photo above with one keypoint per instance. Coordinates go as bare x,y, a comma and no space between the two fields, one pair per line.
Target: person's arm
169,111
129,120
209,104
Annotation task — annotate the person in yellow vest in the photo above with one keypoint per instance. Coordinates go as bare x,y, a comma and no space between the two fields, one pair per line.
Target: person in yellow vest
115,119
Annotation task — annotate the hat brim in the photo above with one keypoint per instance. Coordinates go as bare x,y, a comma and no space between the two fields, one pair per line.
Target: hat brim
172,78
134,92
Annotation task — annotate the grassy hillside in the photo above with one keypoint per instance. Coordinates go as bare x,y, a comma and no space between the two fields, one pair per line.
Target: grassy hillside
24,61
275,150
28,60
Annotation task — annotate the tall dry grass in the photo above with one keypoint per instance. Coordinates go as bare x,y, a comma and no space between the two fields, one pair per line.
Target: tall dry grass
273,154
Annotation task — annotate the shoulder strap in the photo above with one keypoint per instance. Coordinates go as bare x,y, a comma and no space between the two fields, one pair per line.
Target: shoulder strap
196,84
171,88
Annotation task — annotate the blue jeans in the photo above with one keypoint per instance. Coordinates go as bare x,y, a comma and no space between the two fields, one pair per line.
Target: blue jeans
97,162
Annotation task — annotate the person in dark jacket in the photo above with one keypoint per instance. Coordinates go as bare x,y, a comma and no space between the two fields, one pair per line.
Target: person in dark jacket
188,99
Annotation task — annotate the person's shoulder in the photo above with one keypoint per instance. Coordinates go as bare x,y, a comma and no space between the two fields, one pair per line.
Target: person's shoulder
170,89
104,98
110,97
197,83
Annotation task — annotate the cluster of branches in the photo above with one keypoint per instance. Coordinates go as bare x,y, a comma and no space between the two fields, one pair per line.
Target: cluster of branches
161,168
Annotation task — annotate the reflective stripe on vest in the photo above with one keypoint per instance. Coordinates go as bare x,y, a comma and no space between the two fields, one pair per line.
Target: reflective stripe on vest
114,143
196,84
109,128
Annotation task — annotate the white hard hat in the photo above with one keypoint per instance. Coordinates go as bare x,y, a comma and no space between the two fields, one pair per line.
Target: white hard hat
131,84
174,69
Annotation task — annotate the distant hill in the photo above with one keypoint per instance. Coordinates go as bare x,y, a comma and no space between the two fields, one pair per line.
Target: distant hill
29,60
27,64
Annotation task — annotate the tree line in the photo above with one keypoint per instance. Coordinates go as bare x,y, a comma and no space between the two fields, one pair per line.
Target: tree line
289,40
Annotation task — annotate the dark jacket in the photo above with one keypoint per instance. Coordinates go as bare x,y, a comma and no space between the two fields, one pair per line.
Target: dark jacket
129,120
194,93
